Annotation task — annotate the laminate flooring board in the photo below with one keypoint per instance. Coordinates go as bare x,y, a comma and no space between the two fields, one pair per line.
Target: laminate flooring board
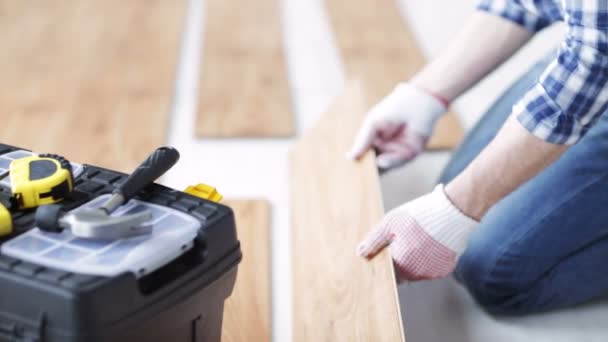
244,88
92,80
247,310
377,47
338,296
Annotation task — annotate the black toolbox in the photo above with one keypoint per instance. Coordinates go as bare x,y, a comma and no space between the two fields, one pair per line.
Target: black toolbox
182,301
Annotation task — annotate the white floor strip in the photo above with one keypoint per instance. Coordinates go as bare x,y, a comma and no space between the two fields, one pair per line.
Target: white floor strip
315,69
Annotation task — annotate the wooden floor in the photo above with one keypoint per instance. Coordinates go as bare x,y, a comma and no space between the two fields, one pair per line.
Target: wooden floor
338,296
92,80
244,89
377,48
247,310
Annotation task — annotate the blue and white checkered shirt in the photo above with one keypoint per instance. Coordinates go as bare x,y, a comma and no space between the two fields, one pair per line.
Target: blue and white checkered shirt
572,93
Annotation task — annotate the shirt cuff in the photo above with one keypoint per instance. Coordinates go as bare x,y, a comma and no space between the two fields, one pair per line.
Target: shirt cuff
540,115
514,12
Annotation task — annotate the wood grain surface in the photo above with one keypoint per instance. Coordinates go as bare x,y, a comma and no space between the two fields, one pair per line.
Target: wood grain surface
244,88
92,80
338,296
377,47
247,311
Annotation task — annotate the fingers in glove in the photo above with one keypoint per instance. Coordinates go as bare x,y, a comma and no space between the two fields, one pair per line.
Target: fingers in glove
370,133
394,154
398,151
388,161
388,132
375,241
363,141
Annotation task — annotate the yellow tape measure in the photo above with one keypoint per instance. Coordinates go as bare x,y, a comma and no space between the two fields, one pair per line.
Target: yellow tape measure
6,221
39,180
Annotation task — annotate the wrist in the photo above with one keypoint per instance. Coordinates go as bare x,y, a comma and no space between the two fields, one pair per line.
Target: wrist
422,108
432,90
472,206
443,100
442,220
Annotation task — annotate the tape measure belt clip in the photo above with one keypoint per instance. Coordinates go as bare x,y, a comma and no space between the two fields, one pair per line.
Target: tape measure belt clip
58,192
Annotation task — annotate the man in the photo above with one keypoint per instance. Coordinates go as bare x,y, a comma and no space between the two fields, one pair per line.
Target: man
521,212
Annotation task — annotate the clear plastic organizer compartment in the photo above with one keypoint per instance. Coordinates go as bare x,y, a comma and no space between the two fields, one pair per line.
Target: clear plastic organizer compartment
173,233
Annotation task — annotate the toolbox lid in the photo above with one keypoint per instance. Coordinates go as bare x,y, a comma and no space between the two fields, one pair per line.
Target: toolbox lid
173,233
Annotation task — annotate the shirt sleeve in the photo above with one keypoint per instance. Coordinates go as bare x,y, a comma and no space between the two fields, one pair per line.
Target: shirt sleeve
515,12
572,93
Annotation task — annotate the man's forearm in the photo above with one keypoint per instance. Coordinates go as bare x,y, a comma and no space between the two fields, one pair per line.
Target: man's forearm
483,43
513,157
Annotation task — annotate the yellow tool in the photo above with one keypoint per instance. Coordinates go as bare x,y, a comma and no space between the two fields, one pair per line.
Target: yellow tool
42,179
6,221
204,191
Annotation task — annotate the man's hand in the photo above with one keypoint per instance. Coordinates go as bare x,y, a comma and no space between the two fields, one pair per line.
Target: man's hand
399,126
426,237
428,234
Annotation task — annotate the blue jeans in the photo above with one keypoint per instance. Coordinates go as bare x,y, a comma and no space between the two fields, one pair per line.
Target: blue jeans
545,245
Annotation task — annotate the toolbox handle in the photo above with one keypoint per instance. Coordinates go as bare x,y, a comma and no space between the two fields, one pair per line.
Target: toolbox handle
157,163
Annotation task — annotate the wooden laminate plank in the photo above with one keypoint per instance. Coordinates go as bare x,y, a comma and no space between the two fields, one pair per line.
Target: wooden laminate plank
377,48
338,296
92,80
244,89
247,310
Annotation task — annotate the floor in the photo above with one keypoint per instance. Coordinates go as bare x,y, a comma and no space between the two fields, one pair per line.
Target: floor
433,311
443,311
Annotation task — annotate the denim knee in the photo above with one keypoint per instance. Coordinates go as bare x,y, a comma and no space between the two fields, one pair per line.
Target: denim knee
496,293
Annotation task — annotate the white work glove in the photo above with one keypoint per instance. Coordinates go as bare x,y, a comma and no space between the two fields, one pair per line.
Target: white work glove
399,126
426,237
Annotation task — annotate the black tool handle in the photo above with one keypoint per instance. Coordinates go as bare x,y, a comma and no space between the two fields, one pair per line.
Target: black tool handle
150,169
47,218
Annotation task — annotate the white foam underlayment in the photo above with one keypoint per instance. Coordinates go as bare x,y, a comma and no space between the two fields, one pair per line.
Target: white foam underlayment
258,168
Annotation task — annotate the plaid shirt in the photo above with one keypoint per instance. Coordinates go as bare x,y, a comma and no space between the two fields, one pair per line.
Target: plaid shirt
572,93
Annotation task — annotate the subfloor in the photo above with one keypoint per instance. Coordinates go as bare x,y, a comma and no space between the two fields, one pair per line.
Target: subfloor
245,168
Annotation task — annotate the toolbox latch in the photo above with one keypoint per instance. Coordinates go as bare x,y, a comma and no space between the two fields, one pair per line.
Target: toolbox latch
204,191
